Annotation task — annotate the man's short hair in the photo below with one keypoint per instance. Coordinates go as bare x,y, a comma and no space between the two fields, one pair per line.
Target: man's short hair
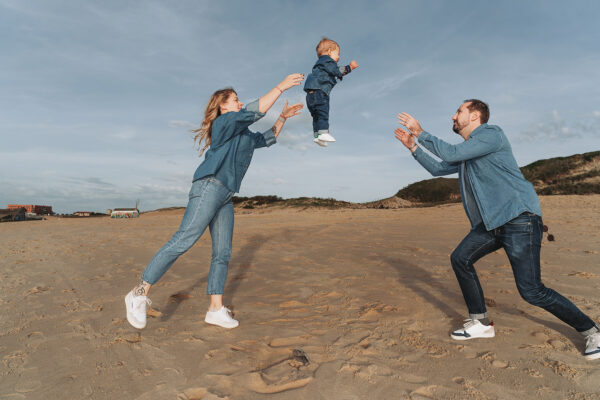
478,105
326,45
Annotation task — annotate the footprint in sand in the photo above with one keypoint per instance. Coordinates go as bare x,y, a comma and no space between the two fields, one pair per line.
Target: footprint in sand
34,339
278,369
27,381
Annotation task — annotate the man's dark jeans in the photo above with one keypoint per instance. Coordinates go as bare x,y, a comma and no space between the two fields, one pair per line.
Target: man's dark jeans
317,102
521,239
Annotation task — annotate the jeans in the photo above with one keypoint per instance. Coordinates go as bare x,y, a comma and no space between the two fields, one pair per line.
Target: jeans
209,205
317,102
521,239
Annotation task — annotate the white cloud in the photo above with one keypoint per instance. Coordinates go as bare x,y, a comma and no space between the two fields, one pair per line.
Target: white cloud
554,129
183,124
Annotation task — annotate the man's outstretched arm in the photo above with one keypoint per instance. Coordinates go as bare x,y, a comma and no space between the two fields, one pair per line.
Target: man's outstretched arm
435,168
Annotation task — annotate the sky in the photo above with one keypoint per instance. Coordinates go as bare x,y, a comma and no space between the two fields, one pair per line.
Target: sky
98,98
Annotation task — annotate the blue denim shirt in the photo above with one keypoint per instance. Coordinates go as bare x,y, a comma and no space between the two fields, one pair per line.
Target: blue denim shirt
324,74
232,146
499,188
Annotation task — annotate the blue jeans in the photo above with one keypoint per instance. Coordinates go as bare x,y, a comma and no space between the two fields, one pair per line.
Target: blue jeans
317,102
521,239
209,205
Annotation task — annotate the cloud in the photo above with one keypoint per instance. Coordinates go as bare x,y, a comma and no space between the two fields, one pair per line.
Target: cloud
555,129
182,124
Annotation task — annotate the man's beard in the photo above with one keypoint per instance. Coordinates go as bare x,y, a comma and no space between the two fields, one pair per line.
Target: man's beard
456,127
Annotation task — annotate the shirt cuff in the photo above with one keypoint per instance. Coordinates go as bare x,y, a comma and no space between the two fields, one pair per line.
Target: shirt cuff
270,138
253,107
414,153
423,136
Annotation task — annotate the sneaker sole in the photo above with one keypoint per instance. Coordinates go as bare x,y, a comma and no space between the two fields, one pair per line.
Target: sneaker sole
221,324
131,319
481,336
594,356
320,143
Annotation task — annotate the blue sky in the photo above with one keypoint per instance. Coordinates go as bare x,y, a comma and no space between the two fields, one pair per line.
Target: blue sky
98,98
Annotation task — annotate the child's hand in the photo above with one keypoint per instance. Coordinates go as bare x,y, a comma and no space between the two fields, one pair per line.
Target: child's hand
290,81
353,64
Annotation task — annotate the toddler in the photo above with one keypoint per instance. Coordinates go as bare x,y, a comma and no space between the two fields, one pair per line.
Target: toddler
319,84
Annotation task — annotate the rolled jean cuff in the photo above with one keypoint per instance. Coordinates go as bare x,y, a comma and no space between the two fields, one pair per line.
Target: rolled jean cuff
590,331
479,316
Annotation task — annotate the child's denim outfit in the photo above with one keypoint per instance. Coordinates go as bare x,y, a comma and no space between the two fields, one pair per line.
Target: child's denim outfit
318,85
215,181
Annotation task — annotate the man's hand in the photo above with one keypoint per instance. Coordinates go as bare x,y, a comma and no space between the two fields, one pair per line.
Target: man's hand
353,65
413,126
406,138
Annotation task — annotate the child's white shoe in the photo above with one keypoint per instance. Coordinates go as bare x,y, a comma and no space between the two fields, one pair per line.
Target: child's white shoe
320,142
326,137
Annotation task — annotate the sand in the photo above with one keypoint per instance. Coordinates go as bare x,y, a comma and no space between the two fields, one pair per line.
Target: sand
332,304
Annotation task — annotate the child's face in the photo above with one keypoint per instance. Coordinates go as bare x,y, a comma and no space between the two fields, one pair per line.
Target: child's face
335,54
231,104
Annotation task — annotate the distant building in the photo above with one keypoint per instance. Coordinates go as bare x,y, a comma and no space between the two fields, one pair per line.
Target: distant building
30,208
125,213
82,213
13,214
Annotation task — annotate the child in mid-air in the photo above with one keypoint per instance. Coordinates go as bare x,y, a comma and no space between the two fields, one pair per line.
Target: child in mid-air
319,84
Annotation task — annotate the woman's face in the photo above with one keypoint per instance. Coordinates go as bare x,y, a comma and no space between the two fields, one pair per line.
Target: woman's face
231,104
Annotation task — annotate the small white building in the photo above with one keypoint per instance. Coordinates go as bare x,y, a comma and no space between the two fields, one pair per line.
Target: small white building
125,213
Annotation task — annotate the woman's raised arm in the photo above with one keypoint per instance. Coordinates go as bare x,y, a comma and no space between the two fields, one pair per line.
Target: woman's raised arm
267,101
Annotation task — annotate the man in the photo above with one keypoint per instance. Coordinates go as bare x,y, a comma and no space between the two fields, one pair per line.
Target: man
504,212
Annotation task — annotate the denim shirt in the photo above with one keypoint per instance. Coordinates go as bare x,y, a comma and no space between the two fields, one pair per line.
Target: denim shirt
324,74
232,146
499,188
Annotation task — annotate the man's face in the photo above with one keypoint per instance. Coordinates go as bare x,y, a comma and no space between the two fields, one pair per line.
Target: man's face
462,118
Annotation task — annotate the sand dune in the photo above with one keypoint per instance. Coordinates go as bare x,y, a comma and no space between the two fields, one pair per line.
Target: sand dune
333,304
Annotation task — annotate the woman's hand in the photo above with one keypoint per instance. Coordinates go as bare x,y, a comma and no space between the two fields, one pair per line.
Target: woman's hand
291,111
410,123
353,65
290,81
406,138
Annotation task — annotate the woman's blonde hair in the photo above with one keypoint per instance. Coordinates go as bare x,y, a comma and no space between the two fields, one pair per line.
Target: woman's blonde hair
204,133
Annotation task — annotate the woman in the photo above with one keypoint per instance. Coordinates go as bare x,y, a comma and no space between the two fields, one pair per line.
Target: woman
225,130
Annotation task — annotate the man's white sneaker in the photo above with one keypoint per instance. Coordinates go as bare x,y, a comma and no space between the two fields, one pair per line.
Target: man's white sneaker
320,142
592,346
136,309
221,317
473,329
326,137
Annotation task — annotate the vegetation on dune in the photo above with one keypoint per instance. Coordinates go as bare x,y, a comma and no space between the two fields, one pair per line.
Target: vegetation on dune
577,174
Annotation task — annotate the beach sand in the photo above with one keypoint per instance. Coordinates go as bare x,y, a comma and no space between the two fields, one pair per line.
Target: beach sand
367,298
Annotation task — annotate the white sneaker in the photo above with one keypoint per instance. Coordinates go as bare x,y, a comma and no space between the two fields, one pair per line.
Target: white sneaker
592,346
326,137
136,309
221,317
473,329
320,142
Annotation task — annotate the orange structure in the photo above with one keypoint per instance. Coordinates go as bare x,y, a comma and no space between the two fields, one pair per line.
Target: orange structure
30,208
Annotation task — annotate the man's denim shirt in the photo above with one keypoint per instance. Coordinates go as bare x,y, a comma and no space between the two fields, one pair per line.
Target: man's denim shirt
324,74
500,190
232,146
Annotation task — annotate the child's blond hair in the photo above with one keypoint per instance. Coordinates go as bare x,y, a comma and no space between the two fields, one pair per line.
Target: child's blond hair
325,46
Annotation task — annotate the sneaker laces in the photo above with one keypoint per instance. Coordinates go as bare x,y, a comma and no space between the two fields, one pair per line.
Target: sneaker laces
469,323
593,340
139,305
